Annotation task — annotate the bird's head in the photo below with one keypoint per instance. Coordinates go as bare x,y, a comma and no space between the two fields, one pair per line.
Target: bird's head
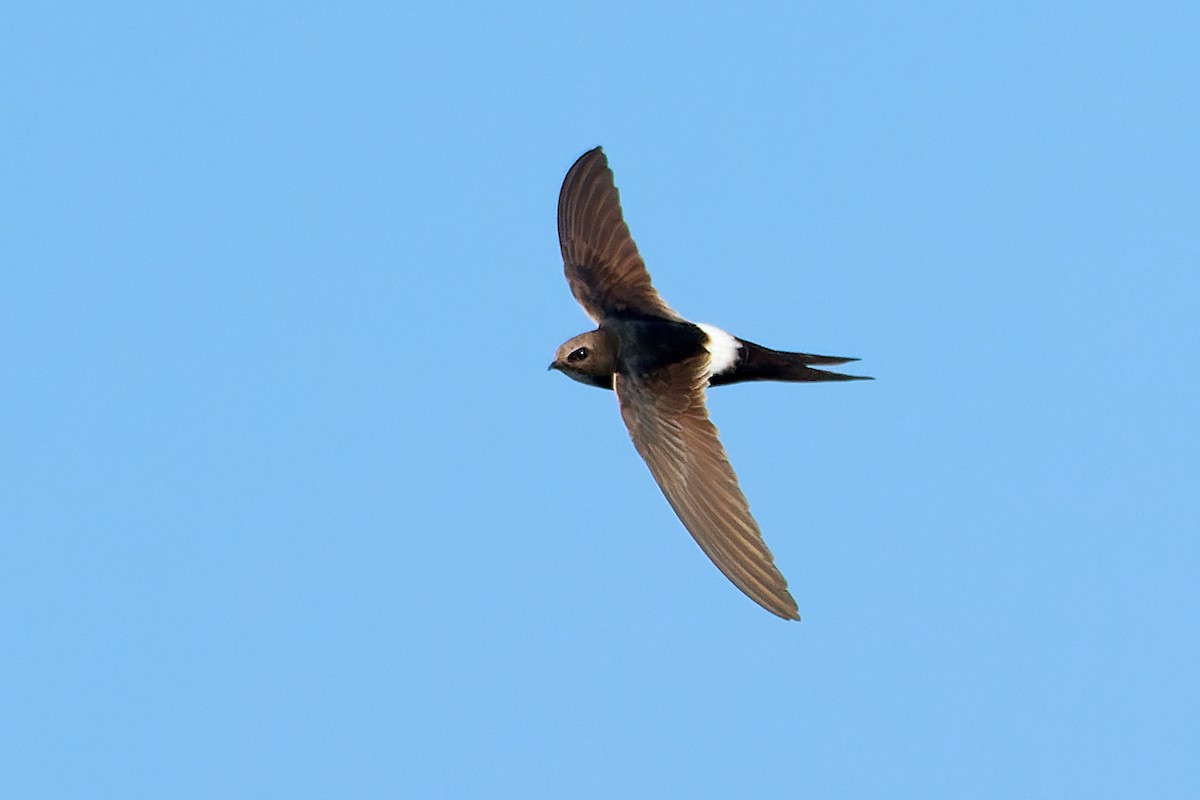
589,358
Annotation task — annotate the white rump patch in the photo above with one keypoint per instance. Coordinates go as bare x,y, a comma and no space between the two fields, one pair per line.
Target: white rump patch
722,348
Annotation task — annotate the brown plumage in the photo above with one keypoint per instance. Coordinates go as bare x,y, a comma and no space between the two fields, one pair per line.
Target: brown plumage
659,364
669,425
604,270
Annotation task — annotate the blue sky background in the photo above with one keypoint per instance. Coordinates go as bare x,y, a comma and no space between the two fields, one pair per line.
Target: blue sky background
290,506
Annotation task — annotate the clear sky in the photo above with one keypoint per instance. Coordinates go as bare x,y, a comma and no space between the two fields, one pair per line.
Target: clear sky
290,506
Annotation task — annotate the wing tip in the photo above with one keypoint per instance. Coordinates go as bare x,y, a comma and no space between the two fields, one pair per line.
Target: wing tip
793,616
783,607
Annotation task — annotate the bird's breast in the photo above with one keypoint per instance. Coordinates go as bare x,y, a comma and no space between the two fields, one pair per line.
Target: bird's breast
647,345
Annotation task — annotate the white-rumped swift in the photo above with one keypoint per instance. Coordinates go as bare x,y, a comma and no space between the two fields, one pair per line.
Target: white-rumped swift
660,364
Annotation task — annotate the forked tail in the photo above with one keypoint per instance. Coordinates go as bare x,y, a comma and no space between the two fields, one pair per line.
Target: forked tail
758,363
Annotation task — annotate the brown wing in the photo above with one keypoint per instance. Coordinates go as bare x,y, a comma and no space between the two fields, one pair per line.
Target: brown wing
670,428
604,270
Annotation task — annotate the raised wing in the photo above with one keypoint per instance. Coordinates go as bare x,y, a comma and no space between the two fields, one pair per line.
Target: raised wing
669,424
603,268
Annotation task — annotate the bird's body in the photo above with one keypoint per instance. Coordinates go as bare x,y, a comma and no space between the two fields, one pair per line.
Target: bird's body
659,364
640,346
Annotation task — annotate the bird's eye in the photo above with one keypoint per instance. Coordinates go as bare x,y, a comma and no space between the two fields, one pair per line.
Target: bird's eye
579,354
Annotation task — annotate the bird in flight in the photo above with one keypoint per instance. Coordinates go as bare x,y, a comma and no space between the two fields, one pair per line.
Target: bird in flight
659,365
